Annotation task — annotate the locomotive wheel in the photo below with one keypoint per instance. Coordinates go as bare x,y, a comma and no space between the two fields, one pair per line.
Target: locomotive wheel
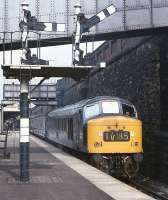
130,167
100,163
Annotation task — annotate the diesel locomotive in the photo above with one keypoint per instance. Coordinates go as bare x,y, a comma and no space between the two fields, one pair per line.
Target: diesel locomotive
105,128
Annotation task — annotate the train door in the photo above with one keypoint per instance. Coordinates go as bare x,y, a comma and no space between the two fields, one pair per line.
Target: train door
80,130
78,136
75,130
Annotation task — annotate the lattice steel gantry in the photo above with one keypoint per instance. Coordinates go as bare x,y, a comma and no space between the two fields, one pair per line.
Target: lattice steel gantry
38,10
52,16
6,17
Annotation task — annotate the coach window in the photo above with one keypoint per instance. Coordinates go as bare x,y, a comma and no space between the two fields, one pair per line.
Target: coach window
65,125
59,124
65,129
70,128
66,121
110,107
91,111
62,124
128,110
56,123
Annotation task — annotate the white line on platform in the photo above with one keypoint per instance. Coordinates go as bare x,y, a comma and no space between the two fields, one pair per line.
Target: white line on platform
111,186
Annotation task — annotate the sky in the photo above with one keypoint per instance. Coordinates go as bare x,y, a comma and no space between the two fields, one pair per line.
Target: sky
59,55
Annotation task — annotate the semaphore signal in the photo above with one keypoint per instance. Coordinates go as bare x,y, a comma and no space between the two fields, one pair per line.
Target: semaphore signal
83,25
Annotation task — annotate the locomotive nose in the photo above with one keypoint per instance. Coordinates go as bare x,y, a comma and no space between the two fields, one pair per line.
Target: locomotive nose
114,134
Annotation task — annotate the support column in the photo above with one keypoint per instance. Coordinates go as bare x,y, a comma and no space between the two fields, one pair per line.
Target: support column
24,130
2,118
77,52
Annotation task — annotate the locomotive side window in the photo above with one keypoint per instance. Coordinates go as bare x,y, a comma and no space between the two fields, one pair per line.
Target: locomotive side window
110,107
91,111
128,110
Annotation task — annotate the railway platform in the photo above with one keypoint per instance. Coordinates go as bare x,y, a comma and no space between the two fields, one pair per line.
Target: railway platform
56,175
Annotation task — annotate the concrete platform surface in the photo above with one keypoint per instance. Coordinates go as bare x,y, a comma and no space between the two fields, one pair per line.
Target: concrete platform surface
55,175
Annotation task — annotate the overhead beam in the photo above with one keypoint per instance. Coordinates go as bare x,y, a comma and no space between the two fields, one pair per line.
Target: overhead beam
77,73
89,38
38,102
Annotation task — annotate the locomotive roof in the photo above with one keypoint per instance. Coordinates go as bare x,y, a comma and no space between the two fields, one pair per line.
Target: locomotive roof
95,99
74,108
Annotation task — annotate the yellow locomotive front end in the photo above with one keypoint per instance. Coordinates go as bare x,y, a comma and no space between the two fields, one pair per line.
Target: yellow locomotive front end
114,134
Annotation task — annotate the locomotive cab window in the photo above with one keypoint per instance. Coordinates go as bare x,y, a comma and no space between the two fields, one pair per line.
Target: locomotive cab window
91,111
129,110
110,107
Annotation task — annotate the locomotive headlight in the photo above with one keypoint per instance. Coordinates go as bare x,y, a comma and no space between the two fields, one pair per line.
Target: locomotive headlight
100,134
132,134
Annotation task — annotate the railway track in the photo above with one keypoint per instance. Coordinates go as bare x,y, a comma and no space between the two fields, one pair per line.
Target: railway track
142,183
154,192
